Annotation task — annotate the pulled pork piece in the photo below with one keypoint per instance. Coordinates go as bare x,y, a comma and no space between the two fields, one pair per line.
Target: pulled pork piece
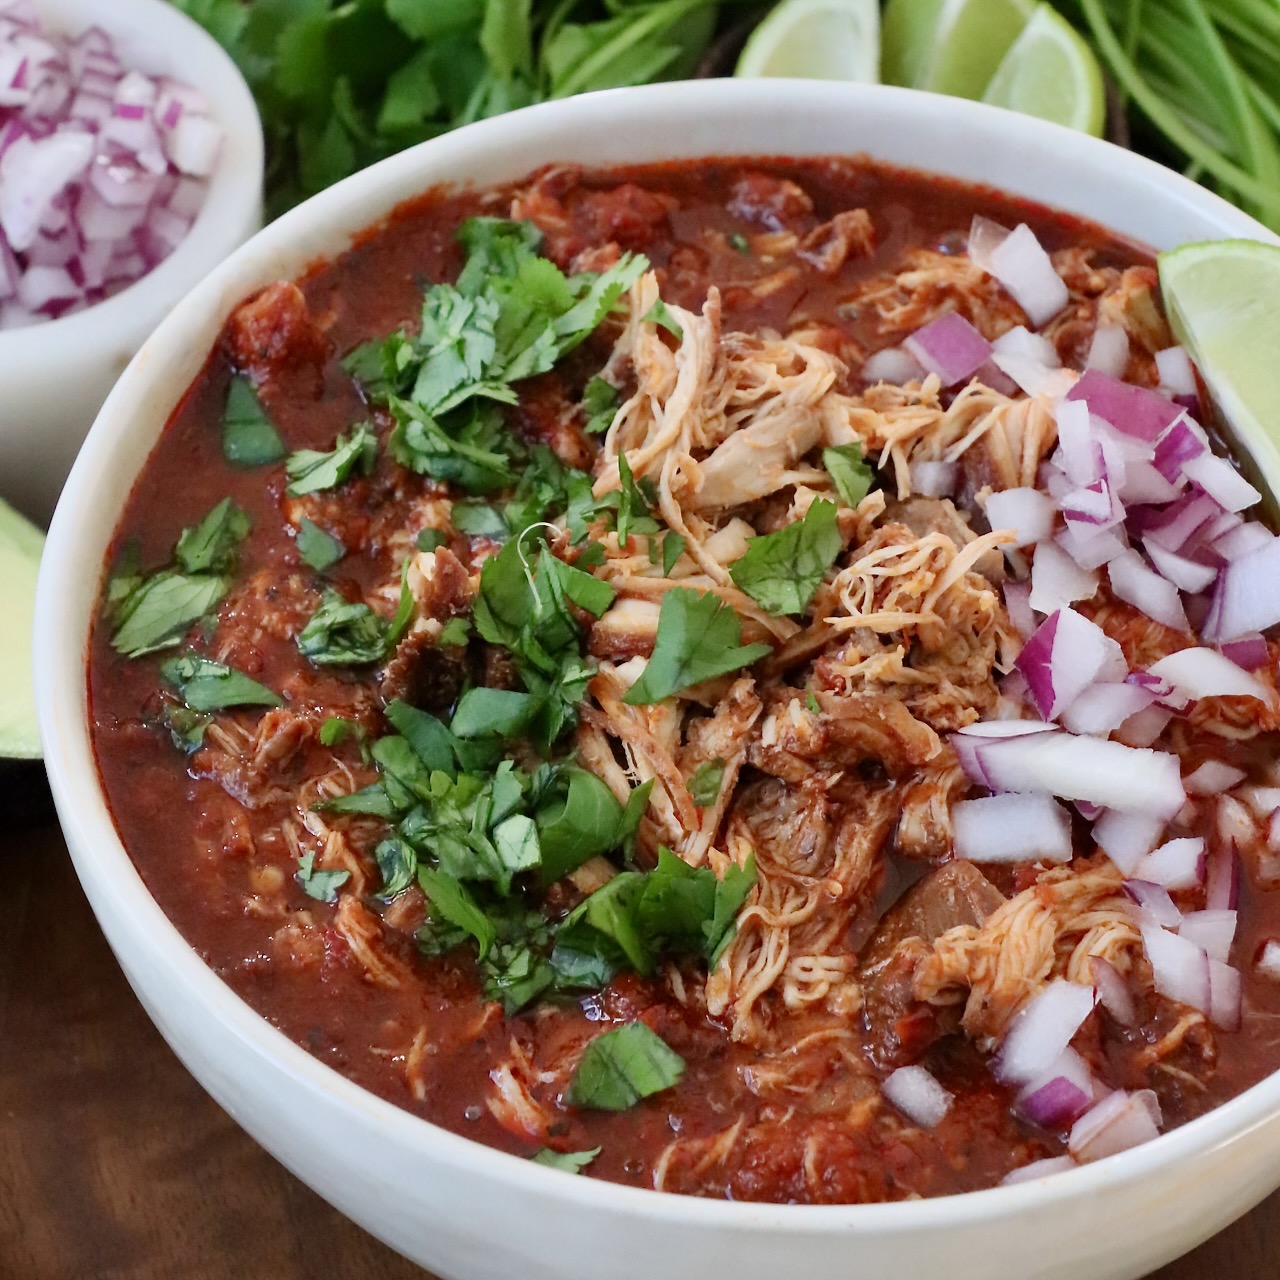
274,331
924,516
771,202
830,245
370,945
814,858
924,826
1053,928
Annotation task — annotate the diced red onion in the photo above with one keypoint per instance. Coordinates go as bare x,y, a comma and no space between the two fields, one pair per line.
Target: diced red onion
985,237
1222,887
1249,651
1029,513
1267,964
1029,359
933,479
892,364
1225,995
1041,1031
1132,410
1092,548
1155,907
1103,708
1246,537
1143,483
1176,864
950,347
1212,777
1057,580
1020,263
1146,590
1180,968
1179,522
1012,828
1212,931
1221,481
969,741
1113,991
1185,574
1174,367
918,1095
1059,1094
1038,1169
1143,727
1109,350
1183,441
1017,601
1206,673
1120,1121
1067,654
1094,505
1078,453
1126,838
1075,768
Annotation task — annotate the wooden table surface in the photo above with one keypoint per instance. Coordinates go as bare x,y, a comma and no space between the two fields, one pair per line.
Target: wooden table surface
115,1164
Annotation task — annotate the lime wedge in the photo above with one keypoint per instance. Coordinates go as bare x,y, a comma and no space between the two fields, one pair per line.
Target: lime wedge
949,46
1051,72
1221,299
20,546
816,40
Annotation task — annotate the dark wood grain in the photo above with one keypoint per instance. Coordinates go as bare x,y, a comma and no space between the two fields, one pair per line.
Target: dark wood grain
114,1164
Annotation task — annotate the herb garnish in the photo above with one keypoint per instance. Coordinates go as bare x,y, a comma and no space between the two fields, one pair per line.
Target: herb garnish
316,548
568,1161
342,632
248,437
781,571
622,1066
848,468
311,470
704,786
599,405
205,685
321,885
698,637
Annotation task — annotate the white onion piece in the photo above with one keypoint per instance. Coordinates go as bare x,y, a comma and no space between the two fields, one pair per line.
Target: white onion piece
1077,453
1020,263
969,741
1113,991
1146,590
1038,1169
1176,864
1154,905
1028,513
1185,574
1247,595
1211,778
1212,931
918,1096
1126,838
1205,673
1012,828
1120,1121
1262,801
1268,963
1226,990
1029,359
1041,1031
1092,769
1056,579
1109,350
933,479
985,237
1064,657
1060,1093
1102,708
1174,367
1180,968
1221,481
892,364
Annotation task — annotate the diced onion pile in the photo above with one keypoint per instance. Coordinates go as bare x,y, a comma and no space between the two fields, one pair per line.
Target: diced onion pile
102,169
1133,491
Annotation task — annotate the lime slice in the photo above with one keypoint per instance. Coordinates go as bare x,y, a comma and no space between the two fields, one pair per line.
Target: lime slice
949,46
20,546
1221,299
1051,72
816,40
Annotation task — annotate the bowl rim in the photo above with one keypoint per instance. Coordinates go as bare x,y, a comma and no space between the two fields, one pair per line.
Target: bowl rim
232,197
110,876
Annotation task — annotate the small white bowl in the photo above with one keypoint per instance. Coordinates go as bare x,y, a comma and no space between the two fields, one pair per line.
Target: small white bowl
465,1210
54,376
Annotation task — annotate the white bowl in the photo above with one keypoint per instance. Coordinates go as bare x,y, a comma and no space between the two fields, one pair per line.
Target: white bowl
55,376
465,1210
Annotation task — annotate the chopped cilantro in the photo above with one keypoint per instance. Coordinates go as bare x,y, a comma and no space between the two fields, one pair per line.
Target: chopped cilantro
503,713
660,314
186,727
430,741
160,610
600,400
452,901
470,448
479,520
568,1161
455,633
248,437
431,540
211,546
577,823
698,637
634,503
336,731
704,786
673,545
781,571
739,242
622,1066
849,470
321,885
398,863
205,685
316,548
811,701
342,632
311,470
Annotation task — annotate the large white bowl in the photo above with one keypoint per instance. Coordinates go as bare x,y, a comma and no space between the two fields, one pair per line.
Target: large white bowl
55,376
462,1209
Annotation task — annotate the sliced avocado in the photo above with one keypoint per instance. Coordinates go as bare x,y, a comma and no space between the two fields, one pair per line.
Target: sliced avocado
20,547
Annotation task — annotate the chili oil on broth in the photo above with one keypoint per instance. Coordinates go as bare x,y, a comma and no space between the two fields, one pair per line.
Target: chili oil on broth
211,842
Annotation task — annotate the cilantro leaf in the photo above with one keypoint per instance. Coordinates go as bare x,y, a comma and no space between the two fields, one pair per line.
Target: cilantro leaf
622,1066
311,470
431,540
502,713
186,727
248,437
479,520
633,504
469,448
690,909
211,546
600,400
455,633
568,1161
430,741
336,730
781,571
316,548
342,632
849,470
372,800
698,638
660,314
673,545
159,612
452,901
704,786
601,935
576,823
205,685
321,885
398,863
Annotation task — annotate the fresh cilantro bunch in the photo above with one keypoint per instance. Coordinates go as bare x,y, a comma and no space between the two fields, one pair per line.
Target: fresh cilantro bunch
342,83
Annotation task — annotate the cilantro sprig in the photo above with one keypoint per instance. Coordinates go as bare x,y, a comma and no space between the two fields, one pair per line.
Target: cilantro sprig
781,571
623,1066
